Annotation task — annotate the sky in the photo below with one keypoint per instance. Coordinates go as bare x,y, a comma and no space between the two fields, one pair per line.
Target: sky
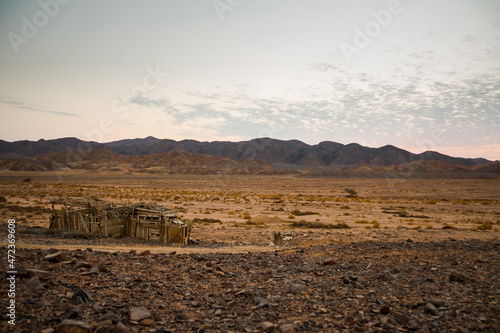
420,75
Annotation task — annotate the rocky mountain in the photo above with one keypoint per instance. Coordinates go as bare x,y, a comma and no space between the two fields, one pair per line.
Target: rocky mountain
263,155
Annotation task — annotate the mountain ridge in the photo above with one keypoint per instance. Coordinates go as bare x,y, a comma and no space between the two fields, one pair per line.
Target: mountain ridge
260,155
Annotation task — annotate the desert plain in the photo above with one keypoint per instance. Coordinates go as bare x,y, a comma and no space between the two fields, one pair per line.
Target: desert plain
385,255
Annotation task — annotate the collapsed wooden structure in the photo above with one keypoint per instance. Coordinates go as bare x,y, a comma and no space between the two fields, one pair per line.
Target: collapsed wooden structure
98,218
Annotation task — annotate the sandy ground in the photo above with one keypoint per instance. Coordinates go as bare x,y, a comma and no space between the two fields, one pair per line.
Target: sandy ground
244,212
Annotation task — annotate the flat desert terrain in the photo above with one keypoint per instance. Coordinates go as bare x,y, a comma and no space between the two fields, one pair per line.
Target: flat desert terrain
401,255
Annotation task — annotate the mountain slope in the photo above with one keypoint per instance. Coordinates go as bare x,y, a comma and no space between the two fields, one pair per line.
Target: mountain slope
269,154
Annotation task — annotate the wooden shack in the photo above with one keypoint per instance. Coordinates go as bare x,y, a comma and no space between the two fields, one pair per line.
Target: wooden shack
98,218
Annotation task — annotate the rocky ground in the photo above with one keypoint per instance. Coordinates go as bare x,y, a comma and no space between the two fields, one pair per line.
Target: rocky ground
383,286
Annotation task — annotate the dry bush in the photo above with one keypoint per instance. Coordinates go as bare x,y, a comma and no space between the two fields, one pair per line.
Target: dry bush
318,225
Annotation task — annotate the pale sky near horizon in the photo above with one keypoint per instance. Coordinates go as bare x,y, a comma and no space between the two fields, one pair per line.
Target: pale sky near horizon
420,75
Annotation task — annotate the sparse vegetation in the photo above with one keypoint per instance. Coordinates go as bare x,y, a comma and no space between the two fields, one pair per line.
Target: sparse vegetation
206,220
485,226
318,225
297,212
351,193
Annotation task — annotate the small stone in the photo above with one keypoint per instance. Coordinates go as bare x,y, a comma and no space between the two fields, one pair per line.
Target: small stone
261,302
56,257
145,253
288,328
181,317
82,264
267,326
436,303
105,326
204,327
385,310
92,270
346,280
329,262
297,288
96,307
43,275
195,304
121,328
82,296
457,277
431,309
34,284
111,316
47,330
148,322
72,326
139,313
72,314
401,319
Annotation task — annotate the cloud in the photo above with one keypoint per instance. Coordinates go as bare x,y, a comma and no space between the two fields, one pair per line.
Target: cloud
26,106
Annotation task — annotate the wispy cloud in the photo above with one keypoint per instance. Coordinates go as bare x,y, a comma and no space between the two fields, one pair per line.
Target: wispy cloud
25,106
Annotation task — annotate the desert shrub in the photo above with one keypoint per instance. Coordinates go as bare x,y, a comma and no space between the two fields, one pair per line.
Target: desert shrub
351,193
448,227
27,180
3,199
206,220
340,225
428,227
362,221
485,226
250,222
318,225
291,217
376,225
297,212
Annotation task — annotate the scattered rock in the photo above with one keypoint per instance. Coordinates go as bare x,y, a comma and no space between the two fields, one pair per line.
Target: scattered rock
112,316
105,326
261,302
431,309
288,328
297,288
82,296
43,275
121,328
56,257
267,326
139,313
148,322
34,284
329,262
385,310
81,264
457,277
72,326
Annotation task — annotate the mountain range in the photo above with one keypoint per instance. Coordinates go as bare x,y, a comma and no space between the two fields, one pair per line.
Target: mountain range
257,156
